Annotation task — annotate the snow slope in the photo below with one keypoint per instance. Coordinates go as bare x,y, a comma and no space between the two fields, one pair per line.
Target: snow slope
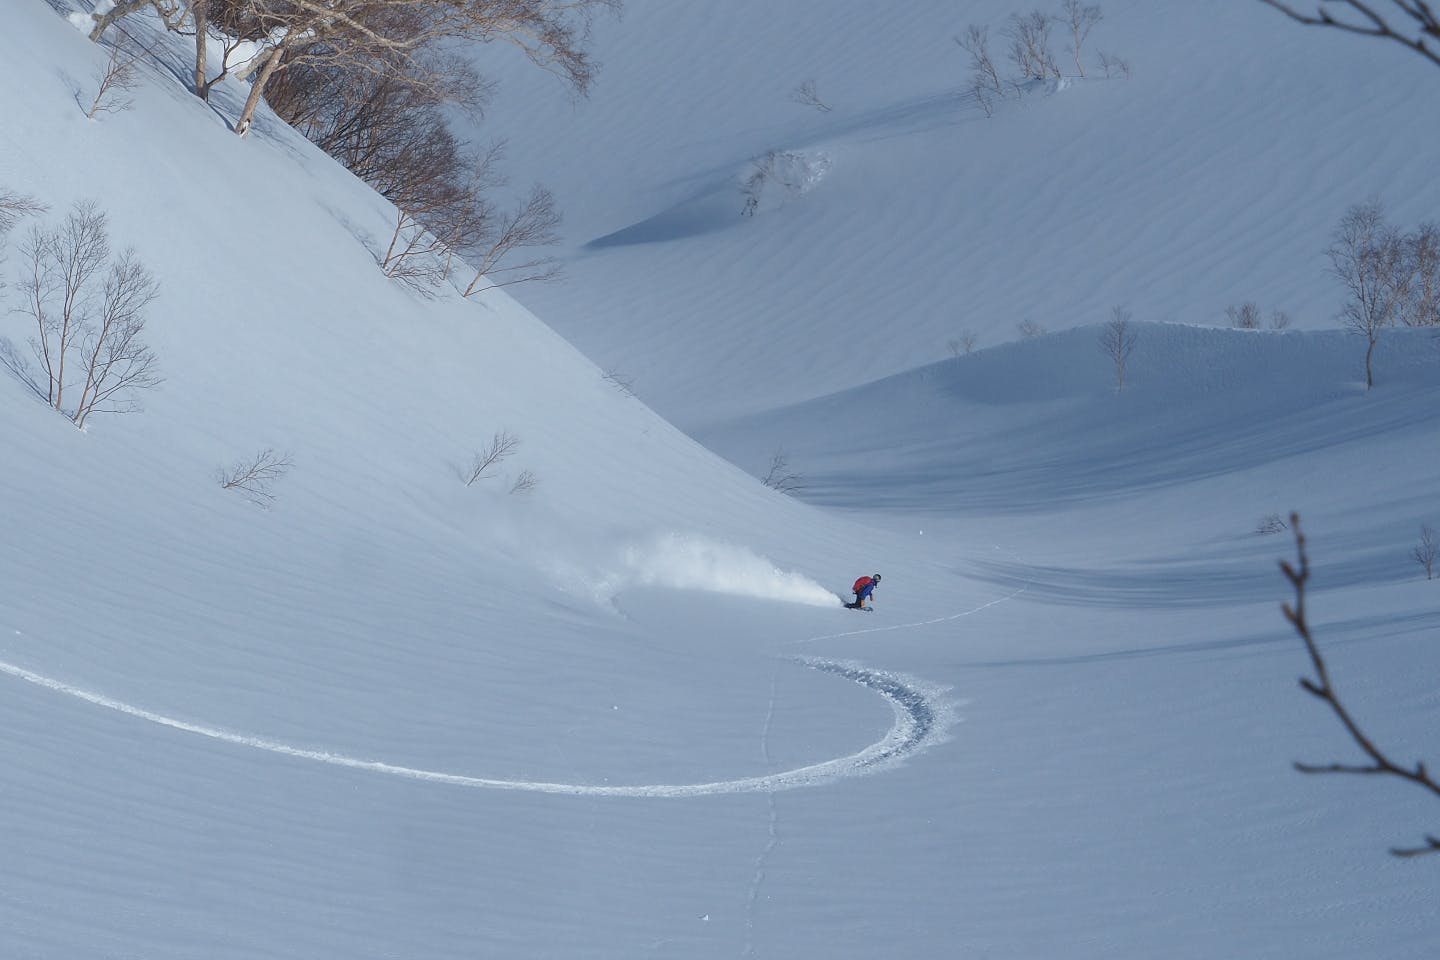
621,715
1213,176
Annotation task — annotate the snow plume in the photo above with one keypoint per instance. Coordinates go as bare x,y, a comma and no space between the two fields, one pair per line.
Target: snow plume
690,562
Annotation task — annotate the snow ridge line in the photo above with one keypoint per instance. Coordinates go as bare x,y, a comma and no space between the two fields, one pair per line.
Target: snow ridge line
920,714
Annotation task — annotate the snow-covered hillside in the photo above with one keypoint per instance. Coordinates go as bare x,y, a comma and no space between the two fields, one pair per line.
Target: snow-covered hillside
621,714
1212,176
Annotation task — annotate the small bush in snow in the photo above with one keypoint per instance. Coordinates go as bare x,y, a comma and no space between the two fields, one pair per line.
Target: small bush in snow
963,344
88,308
1029,329
501,446
1114,66
781,477
1426,551
626,385
1270,524
806,96
254,475
1247,317
1244,317
526,482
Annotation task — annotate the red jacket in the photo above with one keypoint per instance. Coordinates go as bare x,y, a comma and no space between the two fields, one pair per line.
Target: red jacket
861,584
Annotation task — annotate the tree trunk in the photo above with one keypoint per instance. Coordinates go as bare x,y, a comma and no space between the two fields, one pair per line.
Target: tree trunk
257,88
202,23
123,9
1369,376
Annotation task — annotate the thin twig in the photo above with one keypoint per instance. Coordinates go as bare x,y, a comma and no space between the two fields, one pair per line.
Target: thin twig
1321,688
1418,10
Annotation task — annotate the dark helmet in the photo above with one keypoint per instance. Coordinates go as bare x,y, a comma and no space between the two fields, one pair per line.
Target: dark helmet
876,578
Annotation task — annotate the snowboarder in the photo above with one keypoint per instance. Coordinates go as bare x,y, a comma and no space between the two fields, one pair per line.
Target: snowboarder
864,589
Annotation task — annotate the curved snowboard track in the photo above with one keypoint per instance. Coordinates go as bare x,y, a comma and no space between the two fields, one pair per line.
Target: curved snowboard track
921,714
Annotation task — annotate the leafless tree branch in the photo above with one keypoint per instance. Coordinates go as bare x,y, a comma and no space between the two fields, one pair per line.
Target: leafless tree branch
1323,689
502,445
116,76
780,477
254,475
1422,35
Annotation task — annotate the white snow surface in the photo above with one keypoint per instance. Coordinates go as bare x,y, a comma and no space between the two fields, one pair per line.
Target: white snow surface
624,715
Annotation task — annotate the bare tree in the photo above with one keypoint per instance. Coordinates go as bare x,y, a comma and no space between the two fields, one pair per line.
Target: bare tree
361,36
1117,341
552,33
983,73
1422,249
1367,255
118,75
1372,18
502,445
1029,329
533,222
1029,36
1279,320
415,255
253,476
1080,18
780,477
526,482
1114,66
1427,550
963,344
806,96
1244,317
117,363
1323,689
89,314
234,24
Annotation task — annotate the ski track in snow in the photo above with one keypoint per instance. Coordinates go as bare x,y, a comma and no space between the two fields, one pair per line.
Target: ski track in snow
920,713
772,831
